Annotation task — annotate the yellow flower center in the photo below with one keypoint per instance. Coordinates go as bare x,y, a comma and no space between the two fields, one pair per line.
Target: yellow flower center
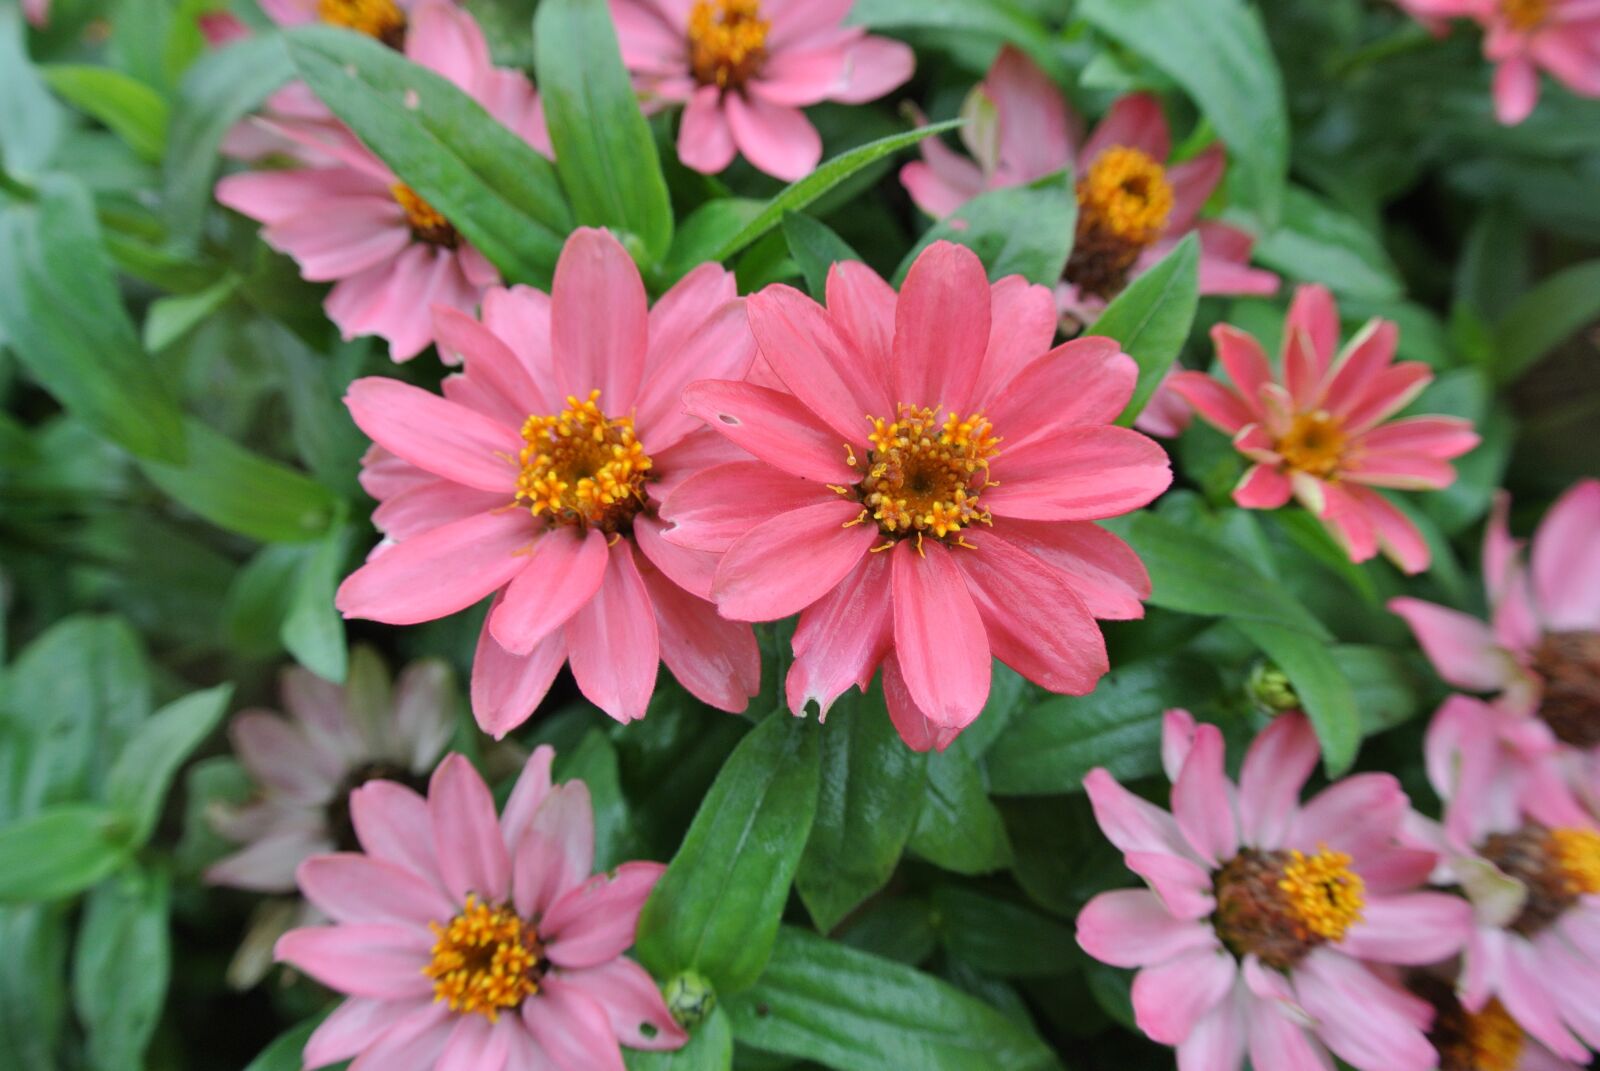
1489,1040
1124,202
583,468
1525,15
1314,444
485,960
1577,852
922,476
727,41
1278,906
426,222
1555,866
382,19
1324,892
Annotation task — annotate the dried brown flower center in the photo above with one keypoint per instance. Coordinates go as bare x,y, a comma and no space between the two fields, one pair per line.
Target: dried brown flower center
1489,1040
426,222
1124,202
1569,663
1279,906
1556,866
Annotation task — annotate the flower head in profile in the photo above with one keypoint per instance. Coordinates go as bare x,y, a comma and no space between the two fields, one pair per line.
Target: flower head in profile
537,477
928,479
1319,430
347,219
1524,37
1528,856
466,939
1134,205
1539,653
1263,917
744,69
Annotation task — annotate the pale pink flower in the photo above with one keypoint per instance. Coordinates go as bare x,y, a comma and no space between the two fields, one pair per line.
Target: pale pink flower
744,69
1318,428
1540,651
466,939
1528,856
1523,37
536,479
1133,206
1263,916
1166,415
928,480
1488,1039
37,12
347,219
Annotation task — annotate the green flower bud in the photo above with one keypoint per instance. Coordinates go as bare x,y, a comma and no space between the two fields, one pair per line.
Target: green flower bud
1269,689
691,999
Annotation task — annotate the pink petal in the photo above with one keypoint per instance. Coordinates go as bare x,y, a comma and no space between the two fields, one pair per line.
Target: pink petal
598,321
941,329
1302,373
1370,352
698,330
1360,814
466,833
1461,648
1132,823
940,190
1263,487
279,755
714,508
1364,1020
436,435
477,1045
1185,888
1080,474
1277,1042
593,923
938,636
436,503
1401,541
1412,930
1099,567
352,1027
438,573
506,687
1202,799
389,820
705,140
876,67
632,1002
1038,402
1516,90
915,729
1244,360
556,853
775,138
1347,519
1406,472
533,785
1170,998
350,887
572,1028
1525,990
1219,406
612,642
1037,127
1177,740
1130,928
491,362
268,865
1022,328
861,305
842,637
356,234
413,1044
784,565
1387,393
520,317
776,427
557,580
1275,770
1193,183
1135,121
717,660
1314,312
380,961
1217,1041
1566,560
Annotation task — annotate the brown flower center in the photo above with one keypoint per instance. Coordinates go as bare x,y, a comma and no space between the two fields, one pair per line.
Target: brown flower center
1556,866
382,19
340,826
1525,15
1314,444
485,960
1281,905
581,467
923,476
1489,1040
427,223
727,41
1124,202
1569,663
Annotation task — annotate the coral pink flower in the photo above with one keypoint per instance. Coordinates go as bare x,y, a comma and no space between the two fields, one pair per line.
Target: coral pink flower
536,479
347,219
926,490
744,69
466,939
1262,916
1133,206
1541,650
1524,36
1319,430
1528,856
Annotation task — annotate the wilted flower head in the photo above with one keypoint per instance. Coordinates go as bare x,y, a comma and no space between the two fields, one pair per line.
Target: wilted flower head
536,479
928,480
467,939
744,69
1318,428
1263,916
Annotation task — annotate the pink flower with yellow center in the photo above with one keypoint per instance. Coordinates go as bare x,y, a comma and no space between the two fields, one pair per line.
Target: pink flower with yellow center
929,473
1318,428
466,939
1523,37
1133,205
347,219
536,479
744,69
1540,651
1263,916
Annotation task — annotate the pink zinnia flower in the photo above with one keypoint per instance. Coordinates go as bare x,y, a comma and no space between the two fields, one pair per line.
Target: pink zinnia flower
1133,207
926,490
744,69
347,219
1262,916
1540,652
536,479
466,939
1318,430
1528,857
1524,36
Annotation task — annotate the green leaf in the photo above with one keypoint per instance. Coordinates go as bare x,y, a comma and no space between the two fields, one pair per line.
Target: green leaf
605,154
1545,317
130,109
1388,685
60,851
872,788
717,908
32,982
1003,939
710,1048
170,318
594,762
244,492
1325,692
1003,20
138,783
219,90
1320,243
61,311
1151,319
489,183
1049,747
119,973
1219,53
823,1001
312,629
1062,857
1026,230
285,1053
958,827
704,232
816,248
31,122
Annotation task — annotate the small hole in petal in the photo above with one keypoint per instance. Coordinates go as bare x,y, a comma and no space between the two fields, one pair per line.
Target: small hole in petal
648,1030
413,100
729,419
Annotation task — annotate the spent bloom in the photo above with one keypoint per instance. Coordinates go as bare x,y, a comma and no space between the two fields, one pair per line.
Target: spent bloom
744,69
347,219
1134,205
536,479
1523,37
1264,917
1528,857
1540,651
466,939
1318,429
928,478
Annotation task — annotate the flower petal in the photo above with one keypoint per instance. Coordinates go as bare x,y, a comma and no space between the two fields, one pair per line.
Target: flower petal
939,638
842,637
941,328
466,833
1131,928
775,138
1080,474
613,644
787,563
1412,930
556,853
638,1015
435,434
572,1028
1170,998
438,573
558,579
715,507
506,687
776,427
380,961
1566,560
717,660
1202,799
598,321
594,923
1275,770
350,887
1462,648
